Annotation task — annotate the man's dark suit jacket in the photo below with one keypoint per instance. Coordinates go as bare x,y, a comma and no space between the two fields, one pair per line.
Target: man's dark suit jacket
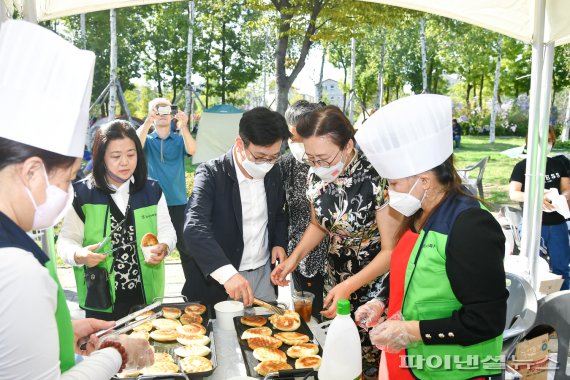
213,228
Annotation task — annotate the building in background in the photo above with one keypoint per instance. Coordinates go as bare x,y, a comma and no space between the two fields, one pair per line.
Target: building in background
332,93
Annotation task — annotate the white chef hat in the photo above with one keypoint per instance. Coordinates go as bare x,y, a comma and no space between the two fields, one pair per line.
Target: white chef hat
45,89
408,136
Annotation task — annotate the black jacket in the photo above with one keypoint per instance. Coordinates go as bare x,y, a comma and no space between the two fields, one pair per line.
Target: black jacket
213,227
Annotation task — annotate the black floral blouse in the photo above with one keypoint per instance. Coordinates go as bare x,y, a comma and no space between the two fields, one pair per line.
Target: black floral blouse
346,208
294,175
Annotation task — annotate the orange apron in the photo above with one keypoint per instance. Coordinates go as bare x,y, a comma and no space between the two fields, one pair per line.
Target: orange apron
398,264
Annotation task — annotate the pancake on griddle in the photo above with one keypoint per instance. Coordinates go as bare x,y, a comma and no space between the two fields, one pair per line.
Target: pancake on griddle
268,366
256,331
264,341
292,338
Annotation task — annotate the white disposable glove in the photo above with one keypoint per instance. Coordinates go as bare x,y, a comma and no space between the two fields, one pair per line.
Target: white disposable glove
391,335
370,314
140,353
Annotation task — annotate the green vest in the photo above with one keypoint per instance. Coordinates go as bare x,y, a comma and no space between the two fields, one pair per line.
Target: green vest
64,325
92,206
428,295
11,236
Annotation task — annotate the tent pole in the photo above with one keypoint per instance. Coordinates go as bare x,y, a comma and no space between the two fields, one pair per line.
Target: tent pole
30,11
100,98
4,16
532,208
189,106
544,116
124,101
352,78
83,33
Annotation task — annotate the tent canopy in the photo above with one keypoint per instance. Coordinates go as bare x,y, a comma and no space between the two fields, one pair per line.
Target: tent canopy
217,131
50,9
513,18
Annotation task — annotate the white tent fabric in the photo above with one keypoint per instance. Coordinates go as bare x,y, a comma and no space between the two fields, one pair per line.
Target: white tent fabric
50,9
217,132
512,18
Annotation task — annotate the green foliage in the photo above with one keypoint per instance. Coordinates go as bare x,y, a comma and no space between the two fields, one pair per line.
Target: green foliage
228,47
519,118
163,58
130,40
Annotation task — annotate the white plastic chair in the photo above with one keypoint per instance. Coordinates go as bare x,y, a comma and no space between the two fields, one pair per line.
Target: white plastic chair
475,185
522,308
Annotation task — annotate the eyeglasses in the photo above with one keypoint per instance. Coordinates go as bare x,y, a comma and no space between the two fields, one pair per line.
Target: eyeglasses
263,160
320,163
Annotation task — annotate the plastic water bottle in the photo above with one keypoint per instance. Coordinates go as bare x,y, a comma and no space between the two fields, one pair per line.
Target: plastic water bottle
342,357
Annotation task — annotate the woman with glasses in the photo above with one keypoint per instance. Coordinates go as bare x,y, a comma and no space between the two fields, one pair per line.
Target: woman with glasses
347,197
311,271
116,200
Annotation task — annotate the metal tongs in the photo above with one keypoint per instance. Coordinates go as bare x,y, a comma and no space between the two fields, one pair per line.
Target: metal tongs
122,326
273,308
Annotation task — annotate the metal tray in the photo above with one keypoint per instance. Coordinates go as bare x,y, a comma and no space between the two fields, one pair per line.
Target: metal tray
251,362
169,347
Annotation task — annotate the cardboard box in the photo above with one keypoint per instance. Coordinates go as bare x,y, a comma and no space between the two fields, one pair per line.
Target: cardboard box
531,358
550,283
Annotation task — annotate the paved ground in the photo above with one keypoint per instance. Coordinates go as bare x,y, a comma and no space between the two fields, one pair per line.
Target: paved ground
174,283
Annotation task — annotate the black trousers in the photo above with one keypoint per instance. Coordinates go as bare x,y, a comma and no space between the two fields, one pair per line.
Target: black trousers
178,216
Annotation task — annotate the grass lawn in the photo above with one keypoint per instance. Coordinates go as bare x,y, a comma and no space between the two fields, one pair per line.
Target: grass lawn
499,167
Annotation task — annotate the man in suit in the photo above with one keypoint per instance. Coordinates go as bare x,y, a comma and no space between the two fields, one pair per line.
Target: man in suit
235,226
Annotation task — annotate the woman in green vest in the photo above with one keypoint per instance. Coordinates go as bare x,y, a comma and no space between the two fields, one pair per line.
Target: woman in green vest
447,302
38,160
116,200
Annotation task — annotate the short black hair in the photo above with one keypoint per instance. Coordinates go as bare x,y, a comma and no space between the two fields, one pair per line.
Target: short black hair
329,121
116,130
299,109
263,127
13,152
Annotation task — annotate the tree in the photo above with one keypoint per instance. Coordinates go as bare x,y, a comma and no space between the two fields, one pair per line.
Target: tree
339,56
424,55
164,56
496,90
469,54
130,41
295,17
229,47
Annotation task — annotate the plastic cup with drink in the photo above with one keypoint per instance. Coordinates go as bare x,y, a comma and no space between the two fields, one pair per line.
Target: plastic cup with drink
303,302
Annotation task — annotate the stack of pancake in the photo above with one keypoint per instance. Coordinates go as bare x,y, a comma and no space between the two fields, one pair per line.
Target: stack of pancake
181,330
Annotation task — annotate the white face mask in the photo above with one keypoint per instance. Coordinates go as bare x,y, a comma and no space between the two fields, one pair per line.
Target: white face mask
50,213
257,171
548,148
405,203
297,150
328,174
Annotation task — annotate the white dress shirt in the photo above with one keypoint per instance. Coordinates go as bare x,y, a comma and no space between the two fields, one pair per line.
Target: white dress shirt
254,220
70,239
